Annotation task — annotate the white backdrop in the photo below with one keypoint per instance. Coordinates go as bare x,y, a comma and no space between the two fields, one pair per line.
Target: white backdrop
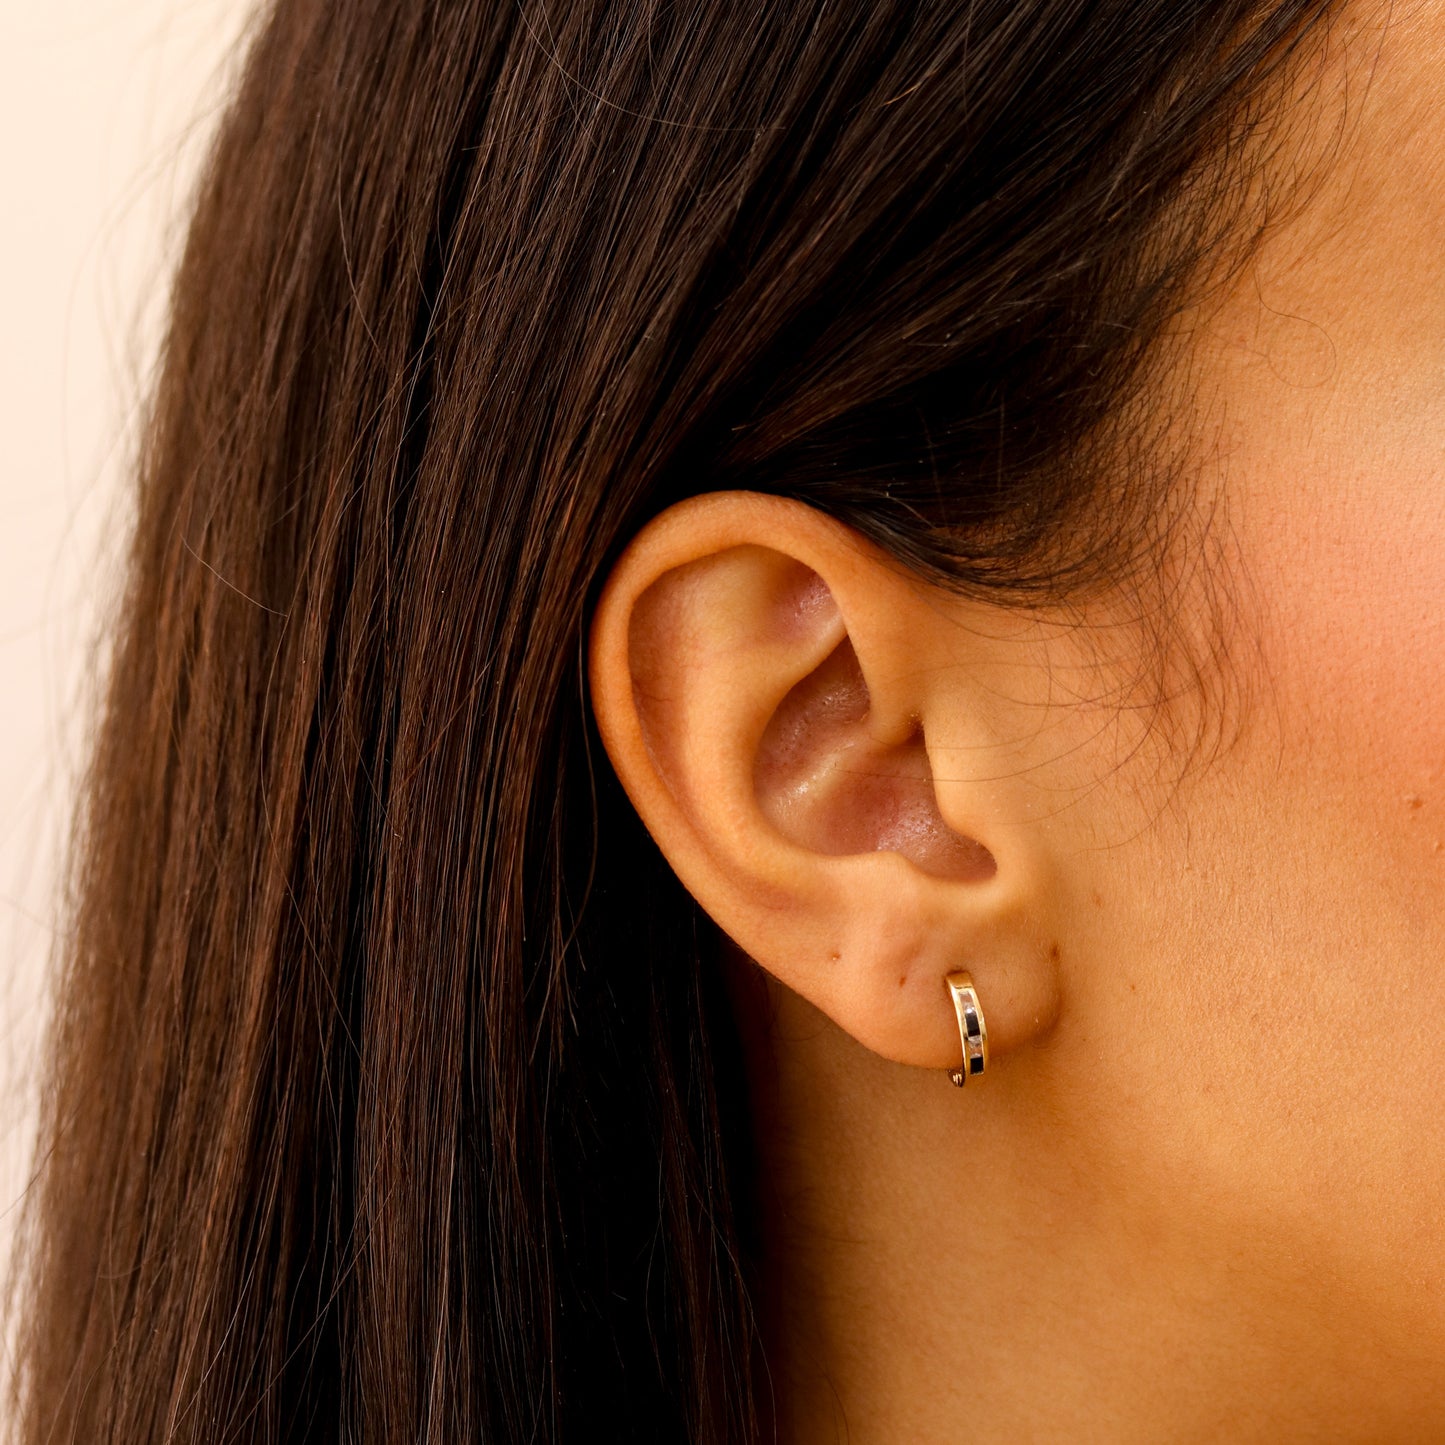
105,108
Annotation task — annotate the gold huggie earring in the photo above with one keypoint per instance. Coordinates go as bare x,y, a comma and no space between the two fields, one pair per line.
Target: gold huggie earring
972,1032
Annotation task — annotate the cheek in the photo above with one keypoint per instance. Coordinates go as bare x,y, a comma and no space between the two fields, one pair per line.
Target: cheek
1331,903
1291,958
1350,581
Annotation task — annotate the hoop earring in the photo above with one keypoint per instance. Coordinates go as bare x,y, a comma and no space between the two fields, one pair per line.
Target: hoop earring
972,1032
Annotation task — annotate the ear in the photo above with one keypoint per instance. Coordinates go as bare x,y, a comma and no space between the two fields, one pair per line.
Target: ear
825,751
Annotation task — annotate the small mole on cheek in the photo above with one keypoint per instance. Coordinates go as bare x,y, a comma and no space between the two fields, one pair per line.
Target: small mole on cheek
834,956
1098,899
1053,953
902,979
1414,801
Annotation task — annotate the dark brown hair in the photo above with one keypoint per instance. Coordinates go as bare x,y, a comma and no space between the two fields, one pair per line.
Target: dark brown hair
393,1094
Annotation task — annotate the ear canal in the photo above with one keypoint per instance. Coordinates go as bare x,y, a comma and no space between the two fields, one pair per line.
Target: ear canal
827,782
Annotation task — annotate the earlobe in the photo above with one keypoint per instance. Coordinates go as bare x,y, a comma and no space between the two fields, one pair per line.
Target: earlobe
765,685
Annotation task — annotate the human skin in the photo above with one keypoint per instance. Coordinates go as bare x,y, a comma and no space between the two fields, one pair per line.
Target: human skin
1199,1194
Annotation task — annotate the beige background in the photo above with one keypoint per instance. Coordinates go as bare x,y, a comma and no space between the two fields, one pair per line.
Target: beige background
105,106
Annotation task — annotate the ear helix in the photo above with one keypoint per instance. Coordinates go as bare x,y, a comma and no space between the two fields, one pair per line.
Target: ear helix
972,1032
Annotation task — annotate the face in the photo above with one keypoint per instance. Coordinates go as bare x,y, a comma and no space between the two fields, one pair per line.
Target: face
1276,1038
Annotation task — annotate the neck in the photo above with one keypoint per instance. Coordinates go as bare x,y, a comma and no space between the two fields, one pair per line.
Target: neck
939,1263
